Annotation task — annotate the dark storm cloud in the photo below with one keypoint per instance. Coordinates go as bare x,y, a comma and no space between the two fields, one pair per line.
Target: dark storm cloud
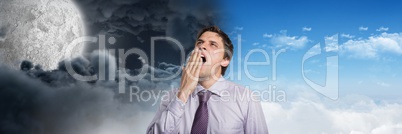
134,22
53,102
106,61
169,67
173,17
29,106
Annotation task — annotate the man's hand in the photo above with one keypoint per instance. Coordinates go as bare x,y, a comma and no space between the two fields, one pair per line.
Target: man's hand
190,75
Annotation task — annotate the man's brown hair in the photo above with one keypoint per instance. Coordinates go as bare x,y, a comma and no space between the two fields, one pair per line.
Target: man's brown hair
225,39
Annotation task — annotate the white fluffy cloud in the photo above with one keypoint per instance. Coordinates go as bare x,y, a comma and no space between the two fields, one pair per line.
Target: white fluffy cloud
314,117
347,36
238,28
373,46
382,29
363,28
306,29
255,43
267,35
283,40
331,43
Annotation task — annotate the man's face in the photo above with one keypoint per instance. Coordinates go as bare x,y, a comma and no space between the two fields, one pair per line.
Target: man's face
213,51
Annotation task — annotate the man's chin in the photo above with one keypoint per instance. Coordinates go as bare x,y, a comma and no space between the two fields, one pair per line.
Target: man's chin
203,76
201,79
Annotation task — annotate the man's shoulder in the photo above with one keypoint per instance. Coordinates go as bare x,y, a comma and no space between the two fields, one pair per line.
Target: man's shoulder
239,93
235,86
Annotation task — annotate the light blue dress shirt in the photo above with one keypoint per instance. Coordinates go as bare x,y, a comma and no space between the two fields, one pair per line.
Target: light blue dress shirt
232,109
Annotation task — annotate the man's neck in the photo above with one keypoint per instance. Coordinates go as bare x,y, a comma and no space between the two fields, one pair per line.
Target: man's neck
209,82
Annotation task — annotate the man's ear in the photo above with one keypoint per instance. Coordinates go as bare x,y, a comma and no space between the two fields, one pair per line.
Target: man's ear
225,62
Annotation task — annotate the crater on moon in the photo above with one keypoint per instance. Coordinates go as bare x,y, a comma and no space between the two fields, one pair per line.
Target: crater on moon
38,30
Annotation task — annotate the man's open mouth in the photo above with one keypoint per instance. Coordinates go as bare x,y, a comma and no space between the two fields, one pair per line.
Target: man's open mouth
203,59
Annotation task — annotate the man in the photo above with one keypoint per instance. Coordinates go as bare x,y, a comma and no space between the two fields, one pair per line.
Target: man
205,101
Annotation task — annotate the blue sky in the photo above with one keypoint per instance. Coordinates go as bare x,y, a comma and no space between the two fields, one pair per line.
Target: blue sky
369,43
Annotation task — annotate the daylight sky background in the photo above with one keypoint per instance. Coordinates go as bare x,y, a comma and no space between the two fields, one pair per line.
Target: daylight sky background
369,51
369,38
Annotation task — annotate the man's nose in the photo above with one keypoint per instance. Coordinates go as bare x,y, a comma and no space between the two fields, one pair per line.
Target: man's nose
202,47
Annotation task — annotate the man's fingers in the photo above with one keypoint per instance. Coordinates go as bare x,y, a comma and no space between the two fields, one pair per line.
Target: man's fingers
196,63
190,71
194,58
194,55
190,59
198,67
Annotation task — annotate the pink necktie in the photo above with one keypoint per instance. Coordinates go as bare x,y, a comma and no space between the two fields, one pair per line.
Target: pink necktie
200,124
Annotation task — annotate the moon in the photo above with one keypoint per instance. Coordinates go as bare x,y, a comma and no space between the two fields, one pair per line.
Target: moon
38,31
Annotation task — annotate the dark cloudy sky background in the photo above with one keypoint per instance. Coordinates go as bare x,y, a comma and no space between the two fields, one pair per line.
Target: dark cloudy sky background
134,22
53,102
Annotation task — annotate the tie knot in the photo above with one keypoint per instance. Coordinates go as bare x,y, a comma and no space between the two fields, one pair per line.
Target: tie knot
204,96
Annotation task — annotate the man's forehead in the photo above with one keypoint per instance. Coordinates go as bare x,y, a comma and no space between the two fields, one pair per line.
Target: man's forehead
211,36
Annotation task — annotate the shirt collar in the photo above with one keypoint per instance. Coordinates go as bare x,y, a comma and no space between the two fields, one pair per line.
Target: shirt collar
216,88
